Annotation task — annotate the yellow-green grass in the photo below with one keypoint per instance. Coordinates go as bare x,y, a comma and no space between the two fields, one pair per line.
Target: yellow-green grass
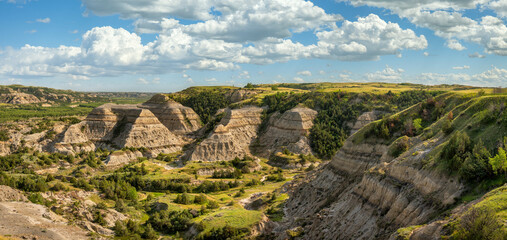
235,217
497,201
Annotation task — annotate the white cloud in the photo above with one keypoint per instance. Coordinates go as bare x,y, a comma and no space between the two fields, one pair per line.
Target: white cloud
500,7
43,20
461,67
445,18
74,31
31,31
244,75
476,55
455,45
426,54
298,79
492,78
210,79
156,80
322,72
107,51
367,39
142,81
387,75
109,46
305,73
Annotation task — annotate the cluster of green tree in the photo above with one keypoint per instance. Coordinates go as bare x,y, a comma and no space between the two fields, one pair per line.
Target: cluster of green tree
243,164
224,233
209,186
131,229
9,162
23,112
236,173
116,188
204,101
31,183
4,135
471,160
186,199
171,222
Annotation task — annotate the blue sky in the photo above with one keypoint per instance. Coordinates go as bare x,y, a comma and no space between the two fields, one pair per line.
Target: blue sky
164,46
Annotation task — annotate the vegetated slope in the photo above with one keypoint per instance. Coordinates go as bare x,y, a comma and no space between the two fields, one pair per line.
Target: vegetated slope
403,170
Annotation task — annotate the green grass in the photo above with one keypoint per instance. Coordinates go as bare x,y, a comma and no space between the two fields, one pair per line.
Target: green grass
236,217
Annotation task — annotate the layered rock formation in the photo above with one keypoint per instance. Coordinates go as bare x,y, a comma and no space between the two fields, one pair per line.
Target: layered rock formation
240,95
231,137
288,130
18,98
118,159
363,120
120,126
365,194
179,119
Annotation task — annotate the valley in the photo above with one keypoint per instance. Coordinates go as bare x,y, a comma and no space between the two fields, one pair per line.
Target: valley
268,161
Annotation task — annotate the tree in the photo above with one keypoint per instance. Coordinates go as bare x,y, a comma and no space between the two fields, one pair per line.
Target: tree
499,161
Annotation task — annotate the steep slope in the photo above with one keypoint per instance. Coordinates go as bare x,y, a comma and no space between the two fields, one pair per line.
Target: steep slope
231,137
179,119
119,126
288,130
367,191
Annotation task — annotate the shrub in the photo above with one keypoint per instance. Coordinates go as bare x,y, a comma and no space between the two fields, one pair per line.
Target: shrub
480,223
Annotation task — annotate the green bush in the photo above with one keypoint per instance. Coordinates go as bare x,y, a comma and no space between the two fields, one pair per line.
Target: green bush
480,223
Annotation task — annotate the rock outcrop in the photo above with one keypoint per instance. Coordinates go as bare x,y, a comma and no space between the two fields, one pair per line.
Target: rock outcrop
365,194
18,98
288,130
179,119
121,158
119,126
8,194
363,120
22,219
231,137
241,94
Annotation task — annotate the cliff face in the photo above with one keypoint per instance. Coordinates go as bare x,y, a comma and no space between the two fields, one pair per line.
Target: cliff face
179,119
231,137
119,126
18,98
363,120
365,194
288,130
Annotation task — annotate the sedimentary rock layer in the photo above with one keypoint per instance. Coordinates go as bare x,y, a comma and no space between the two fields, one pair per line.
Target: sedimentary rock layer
232,137
288,130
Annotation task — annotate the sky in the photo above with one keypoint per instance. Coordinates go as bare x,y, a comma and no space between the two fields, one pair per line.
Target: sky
169,45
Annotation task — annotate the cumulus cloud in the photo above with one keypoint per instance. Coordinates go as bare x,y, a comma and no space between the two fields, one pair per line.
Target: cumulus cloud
43,20
493,77
461,67
142,81
445,18
476,55
107,51
387,75
367,39
455,45
305,73
298,79
500,7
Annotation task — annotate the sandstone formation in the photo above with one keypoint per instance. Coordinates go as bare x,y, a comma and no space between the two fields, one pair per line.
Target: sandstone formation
179,119
364,194
8,194
18,98
240,95
363,120
288,130
118,159
120,126
231,137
